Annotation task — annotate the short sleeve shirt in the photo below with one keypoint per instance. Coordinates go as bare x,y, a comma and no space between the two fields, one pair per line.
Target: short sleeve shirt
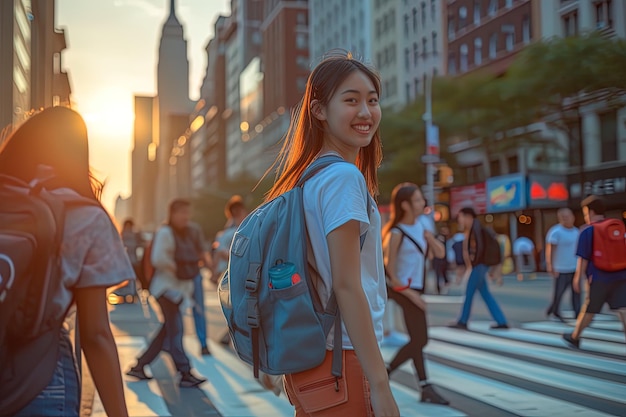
564,241
92,253
585,251
333,197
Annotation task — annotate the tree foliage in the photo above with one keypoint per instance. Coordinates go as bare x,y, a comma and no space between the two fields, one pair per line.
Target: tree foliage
548,82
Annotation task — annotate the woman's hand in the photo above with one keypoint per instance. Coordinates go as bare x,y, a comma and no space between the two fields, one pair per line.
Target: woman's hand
383,402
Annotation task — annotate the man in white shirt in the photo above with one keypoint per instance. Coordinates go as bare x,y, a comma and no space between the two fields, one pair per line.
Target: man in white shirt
561,241
524,253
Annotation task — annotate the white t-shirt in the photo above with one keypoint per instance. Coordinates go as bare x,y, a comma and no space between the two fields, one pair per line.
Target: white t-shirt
523,246
92,253
334,196
564,243
410,261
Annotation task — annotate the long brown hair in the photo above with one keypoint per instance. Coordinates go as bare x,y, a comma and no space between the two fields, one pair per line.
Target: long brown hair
305,136
401,193
55,137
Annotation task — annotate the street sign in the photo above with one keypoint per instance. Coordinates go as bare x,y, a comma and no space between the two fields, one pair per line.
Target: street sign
430,159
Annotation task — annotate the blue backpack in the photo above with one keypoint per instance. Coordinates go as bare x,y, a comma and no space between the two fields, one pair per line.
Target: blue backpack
278,330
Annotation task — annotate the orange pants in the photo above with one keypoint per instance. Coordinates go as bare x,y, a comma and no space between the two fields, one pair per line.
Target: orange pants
316,392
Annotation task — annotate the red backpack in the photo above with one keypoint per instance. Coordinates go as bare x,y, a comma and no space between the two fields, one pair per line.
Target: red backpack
609,245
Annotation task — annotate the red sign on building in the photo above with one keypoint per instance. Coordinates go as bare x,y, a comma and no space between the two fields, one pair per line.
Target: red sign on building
474,196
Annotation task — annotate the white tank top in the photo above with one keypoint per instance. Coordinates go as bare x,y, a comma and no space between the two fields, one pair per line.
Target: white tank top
410,261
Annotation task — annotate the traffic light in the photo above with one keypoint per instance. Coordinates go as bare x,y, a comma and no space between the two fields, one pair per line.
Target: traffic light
443,176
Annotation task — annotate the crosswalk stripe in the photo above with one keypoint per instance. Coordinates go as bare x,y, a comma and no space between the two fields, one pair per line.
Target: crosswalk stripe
565,380
231,386
588,333
506,397
531,336
529,350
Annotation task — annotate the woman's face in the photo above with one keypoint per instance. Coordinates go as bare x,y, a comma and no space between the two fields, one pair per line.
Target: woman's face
416,204
352,115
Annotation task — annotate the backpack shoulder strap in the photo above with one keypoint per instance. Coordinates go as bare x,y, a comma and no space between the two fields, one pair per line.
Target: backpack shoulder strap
405,234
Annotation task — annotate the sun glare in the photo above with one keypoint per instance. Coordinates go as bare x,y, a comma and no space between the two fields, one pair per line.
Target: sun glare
114,122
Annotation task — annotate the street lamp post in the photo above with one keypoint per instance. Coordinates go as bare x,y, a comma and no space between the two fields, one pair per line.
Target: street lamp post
432,147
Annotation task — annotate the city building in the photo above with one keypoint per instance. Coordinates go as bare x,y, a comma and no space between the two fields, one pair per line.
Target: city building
273,83
143,164
423,48
597,165
243,39
211,173
31,70
345,24
172,103
488,34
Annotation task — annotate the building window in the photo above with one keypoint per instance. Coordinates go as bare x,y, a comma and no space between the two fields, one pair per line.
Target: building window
379,60
570,24
452,63
603,14
407,59
414,19
526,30
494,167
433,9
608,136
451,28
493,45
509,31
301,18
513,163
463,59
573,127
509,3
378,28
301,41
407,92
477,12
434,37
416,86
475,173
406,25
424,47
493,7
416,54
423,14
462,17
478,51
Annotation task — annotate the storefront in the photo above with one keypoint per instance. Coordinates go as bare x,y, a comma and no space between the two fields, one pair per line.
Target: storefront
505,196
609,183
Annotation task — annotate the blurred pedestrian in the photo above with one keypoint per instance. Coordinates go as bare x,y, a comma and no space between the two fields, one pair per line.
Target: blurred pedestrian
340,115
406,244
92,259
198,311
176,262
604,286
524,254
561,242
455,256
474,254
440,264
235,211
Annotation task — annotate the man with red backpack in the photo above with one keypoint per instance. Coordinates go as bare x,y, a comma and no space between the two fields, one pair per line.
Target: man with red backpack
602,257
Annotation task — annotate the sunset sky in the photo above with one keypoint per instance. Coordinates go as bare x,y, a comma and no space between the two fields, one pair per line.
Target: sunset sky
111,56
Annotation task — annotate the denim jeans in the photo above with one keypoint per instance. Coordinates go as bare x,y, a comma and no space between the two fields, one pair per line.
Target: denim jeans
61,398
169,338
199,317
478,282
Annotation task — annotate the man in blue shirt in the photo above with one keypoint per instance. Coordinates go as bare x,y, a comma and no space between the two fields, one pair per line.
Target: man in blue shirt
604,286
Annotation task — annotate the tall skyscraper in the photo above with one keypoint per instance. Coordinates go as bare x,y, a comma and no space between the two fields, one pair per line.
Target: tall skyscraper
173,102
